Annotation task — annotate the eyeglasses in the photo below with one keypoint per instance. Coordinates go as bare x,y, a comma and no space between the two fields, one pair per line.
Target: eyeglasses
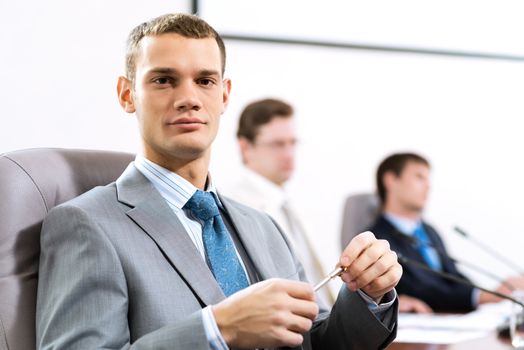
278,145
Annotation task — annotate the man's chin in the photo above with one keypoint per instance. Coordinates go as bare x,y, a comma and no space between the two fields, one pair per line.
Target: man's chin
285,177
187,152
417,209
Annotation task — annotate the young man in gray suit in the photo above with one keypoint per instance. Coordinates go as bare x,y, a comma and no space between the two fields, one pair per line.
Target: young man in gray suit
158,260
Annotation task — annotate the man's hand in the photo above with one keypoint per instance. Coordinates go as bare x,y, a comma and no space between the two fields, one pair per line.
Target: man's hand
516,282
371,266
506,287
271,313
411,304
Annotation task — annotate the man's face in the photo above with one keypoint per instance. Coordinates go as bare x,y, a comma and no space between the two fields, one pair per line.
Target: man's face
178,96
272,154
410,189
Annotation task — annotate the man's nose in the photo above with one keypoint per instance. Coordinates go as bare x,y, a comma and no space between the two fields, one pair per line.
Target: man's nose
187,98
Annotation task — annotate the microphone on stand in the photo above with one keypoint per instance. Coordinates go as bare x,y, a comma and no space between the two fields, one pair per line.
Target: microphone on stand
414,241
503,329
490,251
454,278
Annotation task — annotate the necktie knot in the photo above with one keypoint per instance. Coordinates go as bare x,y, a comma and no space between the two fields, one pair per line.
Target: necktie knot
221,255
202,205
421,236
425,247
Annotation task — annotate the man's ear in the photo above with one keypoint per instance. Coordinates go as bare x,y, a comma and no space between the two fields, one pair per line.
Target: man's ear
389,179
245,146
124,89
226,90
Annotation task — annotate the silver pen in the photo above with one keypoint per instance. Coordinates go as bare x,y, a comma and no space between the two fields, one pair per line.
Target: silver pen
336,272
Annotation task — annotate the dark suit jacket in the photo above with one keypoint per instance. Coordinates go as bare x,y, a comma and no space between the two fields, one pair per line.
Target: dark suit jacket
437,292
118,271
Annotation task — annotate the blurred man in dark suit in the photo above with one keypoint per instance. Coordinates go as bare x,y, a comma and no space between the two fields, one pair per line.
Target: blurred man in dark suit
403,183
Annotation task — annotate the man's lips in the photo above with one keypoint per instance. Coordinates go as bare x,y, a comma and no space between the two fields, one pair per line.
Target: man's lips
187,123
187,120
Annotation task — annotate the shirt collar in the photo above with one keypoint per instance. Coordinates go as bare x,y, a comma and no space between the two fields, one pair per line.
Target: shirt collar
267,187
402,224
174,188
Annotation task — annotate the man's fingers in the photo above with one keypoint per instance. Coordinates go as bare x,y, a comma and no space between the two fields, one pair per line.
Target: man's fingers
299,290
371,265
422,308
298,297
298,324
288,337
412,304
357,245
368,258
270,313
376,269
308,309
384,283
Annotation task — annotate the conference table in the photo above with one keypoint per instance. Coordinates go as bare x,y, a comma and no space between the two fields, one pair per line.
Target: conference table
491,342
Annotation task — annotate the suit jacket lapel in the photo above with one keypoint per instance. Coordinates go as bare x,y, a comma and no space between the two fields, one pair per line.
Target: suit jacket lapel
154,216
254,238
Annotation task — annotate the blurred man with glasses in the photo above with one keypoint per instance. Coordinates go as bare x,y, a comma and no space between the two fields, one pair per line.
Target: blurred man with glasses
267,139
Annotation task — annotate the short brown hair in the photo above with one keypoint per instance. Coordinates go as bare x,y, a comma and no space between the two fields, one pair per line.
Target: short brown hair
259,113
395,163
186,25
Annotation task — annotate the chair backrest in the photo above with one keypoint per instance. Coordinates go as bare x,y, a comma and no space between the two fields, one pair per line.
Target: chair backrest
31,183
360,212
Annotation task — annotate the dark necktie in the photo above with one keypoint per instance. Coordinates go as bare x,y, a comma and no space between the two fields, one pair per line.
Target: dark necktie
221,255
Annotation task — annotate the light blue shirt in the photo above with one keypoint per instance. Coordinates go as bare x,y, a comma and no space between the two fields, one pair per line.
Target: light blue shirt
177,191
404,225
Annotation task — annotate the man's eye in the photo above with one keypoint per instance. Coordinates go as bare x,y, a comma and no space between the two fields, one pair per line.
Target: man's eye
206,82
162,80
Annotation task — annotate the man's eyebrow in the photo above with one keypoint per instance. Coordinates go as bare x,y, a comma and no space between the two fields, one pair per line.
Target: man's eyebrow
172,71
162,70
208,72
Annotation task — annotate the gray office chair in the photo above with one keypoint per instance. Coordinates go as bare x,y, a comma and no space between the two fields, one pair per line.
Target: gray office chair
360,212
31,183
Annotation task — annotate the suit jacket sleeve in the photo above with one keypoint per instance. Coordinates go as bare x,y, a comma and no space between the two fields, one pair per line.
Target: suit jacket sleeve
350,324
76,259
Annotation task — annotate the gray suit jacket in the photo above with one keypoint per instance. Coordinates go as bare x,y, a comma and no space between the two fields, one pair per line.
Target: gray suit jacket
118,271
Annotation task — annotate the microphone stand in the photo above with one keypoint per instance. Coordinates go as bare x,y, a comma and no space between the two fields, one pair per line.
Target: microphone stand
454,278
415,242
503,329
490,251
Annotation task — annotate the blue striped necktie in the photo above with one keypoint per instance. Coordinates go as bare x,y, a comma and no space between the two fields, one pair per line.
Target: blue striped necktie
428,253
221,255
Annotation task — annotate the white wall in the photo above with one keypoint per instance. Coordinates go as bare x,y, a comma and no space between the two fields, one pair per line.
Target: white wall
59,64
58,70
